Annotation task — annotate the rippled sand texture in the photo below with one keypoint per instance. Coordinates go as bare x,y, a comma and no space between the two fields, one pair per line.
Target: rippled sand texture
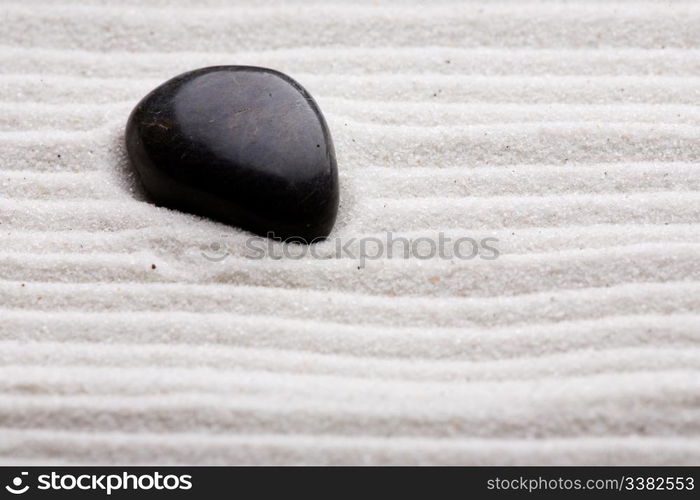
570,131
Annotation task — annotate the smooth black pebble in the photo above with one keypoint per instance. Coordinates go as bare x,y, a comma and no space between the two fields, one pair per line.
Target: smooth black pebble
244,145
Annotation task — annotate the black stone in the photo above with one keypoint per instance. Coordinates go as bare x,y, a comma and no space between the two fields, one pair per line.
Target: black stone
244,145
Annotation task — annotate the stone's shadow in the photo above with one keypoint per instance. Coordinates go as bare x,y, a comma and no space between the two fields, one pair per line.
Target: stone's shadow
124,175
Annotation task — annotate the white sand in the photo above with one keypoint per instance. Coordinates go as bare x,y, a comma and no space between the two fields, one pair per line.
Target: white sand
570,131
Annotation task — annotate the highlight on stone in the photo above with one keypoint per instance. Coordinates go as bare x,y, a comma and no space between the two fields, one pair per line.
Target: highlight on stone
244,145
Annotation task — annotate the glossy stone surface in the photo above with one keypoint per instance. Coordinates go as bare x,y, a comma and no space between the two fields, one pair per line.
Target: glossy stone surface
244,145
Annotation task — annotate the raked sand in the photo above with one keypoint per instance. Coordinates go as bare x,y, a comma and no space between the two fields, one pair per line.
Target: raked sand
569,131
